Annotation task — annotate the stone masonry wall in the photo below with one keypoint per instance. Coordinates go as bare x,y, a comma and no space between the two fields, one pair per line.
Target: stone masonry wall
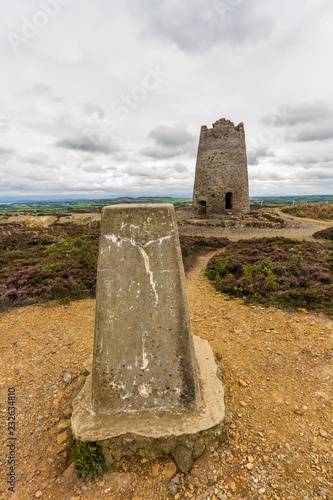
221,179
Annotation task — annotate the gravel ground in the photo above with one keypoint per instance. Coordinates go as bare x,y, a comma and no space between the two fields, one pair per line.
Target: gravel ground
278,379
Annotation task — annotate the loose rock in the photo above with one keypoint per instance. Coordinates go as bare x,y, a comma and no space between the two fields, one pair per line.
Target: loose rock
173,487
67,378
61,438
169,471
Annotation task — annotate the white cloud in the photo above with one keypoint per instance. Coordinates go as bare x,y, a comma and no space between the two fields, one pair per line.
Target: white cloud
171,67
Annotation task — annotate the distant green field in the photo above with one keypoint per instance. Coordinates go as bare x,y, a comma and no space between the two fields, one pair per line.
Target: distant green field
85,205
88,205
291,200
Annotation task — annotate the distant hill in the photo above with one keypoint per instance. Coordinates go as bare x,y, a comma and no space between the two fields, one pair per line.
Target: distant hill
86,205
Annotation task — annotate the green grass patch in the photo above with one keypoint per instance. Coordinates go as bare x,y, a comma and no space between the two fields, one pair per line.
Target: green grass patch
89,460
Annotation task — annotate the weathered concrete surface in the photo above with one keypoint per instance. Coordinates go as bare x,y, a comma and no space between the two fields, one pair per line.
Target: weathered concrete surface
221,178
183,434
143,349
154,390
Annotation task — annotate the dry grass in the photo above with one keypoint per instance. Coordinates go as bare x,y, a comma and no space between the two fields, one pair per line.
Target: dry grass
321,211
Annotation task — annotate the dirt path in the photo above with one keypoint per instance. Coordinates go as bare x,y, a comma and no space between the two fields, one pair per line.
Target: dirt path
278,380
296,227
282,419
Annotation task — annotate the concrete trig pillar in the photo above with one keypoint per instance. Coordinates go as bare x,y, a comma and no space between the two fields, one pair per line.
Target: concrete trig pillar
143,350
154,389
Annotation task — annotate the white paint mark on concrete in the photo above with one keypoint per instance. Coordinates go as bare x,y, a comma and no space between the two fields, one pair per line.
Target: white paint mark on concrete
149,272
145,390
159,240
114,239
145,361
118,386
126,396
119,241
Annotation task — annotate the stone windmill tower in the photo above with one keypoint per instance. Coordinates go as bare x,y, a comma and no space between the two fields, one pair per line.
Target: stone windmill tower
221,180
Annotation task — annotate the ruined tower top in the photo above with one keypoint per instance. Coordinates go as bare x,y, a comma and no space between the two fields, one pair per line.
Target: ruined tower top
221,180
227,125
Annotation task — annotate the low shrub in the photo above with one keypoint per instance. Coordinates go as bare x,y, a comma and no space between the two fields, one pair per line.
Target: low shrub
195,244
59,262
56,262
276,271
325,234
89,460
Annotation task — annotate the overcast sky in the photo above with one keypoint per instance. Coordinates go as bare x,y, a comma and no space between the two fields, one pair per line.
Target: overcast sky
105,98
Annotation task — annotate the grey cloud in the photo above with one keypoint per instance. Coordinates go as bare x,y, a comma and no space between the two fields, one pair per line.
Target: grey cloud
170,141
93,109
141,171
256,153
41,89
167,172
198,25
171,137
298,113
309,160
312,132
303,122
159,152
35,158
319,174
90,143
307,166
6,151
267,176
180,168
218,54
99,169
4,123
95,169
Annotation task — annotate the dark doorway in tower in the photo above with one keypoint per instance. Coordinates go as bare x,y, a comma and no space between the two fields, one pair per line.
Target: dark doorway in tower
203,207
228,201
